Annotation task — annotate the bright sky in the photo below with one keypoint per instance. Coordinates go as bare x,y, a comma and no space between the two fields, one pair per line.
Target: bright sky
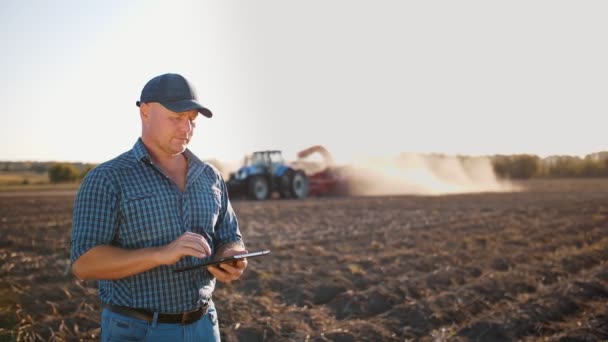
360,77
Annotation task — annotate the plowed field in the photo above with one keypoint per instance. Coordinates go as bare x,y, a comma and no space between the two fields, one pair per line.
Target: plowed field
530,265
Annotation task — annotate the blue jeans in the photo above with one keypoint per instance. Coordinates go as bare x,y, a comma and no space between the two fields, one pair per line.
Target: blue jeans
117,327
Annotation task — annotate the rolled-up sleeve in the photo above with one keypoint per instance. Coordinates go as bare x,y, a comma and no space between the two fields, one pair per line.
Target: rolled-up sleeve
227,226
95,215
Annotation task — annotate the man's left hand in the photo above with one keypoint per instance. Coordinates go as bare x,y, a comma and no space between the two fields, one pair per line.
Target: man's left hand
229,271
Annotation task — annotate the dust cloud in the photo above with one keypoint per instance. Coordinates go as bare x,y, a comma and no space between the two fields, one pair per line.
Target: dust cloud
422,174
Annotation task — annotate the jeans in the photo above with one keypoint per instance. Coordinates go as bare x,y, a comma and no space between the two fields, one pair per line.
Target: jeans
117,327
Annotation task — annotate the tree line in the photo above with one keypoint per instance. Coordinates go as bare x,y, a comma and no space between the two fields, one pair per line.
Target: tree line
524,166
68,172
518,166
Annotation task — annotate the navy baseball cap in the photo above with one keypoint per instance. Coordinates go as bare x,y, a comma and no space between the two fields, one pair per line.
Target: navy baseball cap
174,92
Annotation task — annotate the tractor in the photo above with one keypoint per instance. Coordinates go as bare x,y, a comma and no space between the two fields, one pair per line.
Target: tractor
264,173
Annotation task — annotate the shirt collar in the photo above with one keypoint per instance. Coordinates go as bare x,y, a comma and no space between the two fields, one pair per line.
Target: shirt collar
140,152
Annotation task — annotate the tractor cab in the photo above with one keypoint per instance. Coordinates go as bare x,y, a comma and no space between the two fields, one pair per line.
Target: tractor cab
271,160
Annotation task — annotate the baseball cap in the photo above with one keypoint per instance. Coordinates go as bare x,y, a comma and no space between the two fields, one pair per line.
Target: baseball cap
174,92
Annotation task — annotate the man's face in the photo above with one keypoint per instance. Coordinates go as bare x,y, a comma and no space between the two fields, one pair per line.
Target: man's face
168,131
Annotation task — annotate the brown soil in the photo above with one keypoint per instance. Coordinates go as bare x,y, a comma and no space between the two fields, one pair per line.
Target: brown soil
497,266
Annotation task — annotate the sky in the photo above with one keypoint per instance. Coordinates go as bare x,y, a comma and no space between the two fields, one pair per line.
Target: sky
363,78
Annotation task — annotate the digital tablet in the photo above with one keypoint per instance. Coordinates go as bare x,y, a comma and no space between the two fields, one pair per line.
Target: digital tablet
226,259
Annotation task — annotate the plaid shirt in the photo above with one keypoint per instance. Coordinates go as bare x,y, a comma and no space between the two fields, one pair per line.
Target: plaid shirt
128,202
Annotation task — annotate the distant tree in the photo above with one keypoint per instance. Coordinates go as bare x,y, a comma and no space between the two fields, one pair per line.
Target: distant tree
85,170
592,168
500,163
520,166
63,172
566,166
524,166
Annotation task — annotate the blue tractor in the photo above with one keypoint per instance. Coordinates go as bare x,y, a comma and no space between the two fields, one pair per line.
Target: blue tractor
265,173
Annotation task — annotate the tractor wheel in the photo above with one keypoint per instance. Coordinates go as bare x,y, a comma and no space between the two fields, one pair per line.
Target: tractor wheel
259,188
299,185
285,182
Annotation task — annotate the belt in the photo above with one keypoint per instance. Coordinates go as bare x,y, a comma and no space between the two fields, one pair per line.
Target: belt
183,318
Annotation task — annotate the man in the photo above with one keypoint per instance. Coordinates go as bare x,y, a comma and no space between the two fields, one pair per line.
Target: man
152,210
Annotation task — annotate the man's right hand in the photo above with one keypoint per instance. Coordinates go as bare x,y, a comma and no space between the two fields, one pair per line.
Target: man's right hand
189,244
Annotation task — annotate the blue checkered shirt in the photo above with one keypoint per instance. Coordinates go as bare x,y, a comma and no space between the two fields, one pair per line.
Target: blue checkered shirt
128,202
